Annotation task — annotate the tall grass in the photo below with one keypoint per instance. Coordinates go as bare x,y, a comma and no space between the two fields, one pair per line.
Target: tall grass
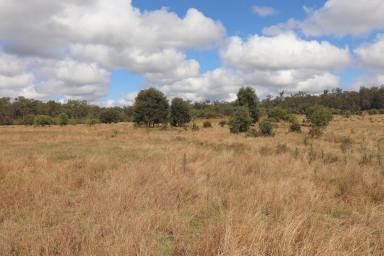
77,190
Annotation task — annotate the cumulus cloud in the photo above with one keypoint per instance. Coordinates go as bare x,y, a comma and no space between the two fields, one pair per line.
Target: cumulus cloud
111,34
263,11
14,79
338,18
372,55
283,52
71,48
77,80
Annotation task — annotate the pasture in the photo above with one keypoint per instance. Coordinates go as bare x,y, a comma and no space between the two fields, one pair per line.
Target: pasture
120,190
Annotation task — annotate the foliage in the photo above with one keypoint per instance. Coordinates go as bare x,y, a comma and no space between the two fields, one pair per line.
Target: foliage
279,114
240,120
151,108
295,126
319,116
62,119
266,128
246,97
222,123
109,116
207,124
180,113
43,120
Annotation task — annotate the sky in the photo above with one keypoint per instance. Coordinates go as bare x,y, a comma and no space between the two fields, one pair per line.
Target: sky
106,51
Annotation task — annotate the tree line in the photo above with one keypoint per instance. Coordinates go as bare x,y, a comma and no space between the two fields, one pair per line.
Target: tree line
30,111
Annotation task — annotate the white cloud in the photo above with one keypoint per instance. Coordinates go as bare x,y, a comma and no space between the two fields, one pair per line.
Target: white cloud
372,55
112,34
285,51
76,80
263,11
338,18
345,17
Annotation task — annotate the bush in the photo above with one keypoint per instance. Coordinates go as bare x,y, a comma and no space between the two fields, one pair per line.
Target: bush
207,124
315,131
42,120
62,119
195,127
266,128
92,122
222,123
319,117
372,112
240,121
252,133
295,126
108,116
29,120
279,114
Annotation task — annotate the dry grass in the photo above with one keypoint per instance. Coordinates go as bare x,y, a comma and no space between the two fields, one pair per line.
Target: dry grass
119,190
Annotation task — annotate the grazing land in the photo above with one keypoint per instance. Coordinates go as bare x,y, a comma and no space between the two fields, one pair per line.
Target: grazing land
120,190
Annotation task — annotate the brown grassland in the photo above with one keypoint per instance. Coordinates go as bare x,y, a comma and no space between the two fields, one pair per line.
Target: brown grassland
120,190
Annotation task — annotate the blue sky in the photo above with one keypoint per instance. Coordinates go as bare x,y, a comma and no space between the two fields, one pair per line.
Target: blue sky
106,51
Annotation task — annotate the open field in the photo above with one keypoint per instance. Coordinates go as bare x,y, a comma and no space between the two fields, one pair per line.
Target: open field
120,190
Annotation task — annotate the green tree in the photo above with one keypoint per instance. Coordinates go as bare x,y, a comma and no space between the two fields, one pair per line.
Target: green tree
246,97
150,108
109,116
180,112
240,120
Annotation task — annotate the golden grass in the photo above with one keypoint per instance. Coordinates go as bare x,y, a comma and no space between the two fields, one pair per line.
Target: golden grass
119,190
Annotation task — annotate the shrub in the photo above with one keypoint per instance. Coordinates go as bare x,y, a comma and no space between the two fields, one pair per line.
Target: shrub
180,112
207,124
195,127
109,116
92,121
62,119
246,97
252,133
29,120
315,131
319,117
295,126
240,120
42,120
266,128
222,123
279,114
373,112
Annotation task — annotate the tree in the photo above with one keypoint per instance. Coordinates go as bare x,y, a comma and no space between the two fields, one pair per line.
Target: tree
240,120
319,117
150,108
246,97
109,116
180,112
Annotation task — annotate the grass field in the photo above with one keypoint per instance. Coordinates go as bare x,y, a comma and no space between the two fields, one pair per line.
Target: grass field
120,190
